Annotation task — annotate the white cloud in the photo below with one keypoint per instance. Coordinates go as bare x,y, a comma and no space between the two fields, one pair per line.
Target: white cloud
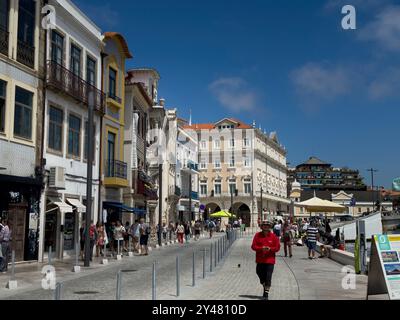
384,29
234,94
320,81
385,85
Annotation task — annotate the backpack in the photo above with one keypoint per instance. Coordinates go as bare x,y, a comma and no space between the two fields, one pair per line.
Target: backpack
92,232
147,230
211,224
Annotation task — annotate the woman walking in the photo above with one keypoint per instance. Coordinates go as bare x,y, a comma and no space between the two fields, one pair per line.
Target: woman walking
266,245
287,238
180,231
187,232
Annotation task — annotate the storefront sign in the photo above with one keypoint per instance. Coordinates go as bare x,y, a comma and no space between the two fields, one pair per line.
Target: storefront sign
384,270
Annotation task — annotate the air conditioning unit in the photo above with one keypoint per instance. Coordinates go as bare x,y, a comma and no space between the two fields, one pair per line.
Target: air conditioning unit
57,178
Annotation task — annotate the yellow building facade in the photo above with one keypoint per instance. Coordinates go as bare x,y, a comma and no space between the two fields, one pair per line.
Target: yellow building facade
113,169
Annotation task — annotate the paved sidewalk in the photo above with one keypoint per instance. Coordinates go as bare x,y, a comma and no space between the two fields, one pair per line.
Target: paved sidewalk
296,278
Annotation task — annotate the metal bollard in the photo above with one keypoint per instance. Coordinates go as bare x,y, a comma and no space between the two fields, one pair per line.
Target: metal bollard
12,265
215,255
177,277
77,254
204,264
194,270
153,282
211,257
49,256
57,295
119,284
118,247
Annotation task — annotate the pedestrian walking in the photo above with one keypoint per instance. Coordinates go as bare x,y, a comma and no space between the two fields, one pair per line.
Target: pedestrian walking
180,231
135,234
171,230
312,237
266,244
126,236
164,231
119,232
93,236
197,230
82,239
144,230
278,228
101,239
5,239
287,238
187,231
211,227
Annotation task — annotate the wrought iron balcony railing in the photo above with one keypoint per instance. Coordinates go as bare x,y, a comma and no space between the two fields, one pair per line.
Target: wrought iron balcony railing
26,54
63,79
4,36
116,169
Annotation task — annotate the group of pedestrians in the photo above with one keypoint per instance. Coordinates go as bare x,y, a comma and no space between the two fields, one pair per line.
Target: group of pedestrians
117,237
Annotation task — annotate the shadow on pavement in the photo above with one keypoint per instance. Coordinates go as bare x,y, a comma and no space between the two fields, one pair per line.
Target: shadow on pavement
250,297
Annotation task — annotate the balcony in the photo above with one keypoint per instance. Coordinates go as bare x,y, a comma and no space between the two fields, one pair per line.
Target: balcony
114,97
116,174
4,36
64,80
26,54
195,196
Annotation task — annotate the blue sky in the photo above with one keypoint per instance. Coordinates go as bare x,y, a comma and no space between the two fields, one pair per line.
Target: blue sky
287,64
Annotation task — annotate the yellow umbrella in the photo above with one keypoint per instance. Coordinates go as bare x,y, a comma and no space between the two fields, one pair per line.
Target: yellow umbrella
222,214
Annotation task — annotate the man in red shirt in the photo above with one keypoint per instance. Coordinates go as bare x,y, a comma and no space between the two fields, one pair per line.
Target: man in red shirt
265,244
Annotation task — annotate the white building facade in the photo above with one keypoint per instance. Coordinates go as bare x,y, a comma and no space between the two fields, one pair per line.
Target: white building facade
73,55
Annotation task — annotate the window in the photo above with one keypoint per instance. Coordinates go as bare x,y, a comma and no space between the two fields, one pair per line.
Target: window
203,163
3,87
247,186
57,47
217,164
203,144
232,161
232,143
203,189
91,71
86,148
75,60
217,187
217,144
111,154
112,83
26,21
55,128
246,142
232,186
246,162
74,134
23,113
4,9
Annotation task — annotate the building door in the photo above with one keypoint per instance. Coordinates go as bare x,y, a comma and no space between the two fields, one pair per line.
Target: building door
17,222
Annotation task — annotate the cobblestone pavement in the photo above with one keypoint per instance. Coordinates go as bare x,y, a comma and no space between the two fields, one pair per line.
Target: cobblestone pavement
233,279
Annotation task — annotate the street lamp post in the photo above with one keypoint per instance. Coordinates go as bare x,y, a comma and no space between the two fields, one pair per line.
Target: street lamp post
261,209
89,176
372,187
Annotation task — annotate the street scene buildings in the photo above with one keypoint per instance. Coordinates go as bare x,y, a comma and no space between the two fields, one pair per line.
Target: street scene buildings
71,91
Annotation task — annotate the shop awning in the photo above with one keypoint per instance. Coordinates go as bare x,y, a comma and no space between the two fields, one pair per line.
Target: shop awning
77,204
123,207
64,207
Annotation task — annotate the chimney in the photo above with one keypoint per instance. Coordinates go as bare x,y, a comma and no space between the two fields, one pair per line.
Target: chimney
254,124
162,102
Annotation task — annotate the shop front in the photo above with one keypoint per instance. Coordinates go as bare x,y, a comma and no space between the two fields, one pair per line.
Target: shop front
19,204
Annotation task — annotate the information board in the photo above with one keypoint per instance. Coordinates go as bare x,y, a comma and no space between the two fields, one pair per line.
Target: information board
384,267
